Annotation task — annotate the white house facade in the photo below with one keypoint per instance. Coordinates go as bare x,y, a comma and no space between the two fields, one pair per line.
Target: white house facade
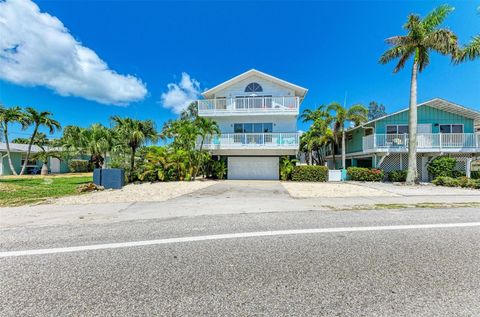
257,115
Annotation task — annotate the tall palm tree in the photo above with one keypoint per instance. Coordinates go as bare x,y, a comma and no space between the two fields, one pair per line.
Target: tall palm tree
318,136
134,134
205,128
356,114
7,116
38,119
423,36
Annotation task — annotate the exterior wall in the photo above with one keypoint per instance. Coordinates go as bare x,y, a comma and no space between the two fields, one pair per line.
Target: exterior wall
280,123
17,163
426,115
355,144
269,88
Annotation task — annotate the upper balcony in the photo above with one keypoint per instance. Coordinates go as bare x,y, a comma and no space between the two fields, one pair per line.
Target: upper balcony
249,106
426,142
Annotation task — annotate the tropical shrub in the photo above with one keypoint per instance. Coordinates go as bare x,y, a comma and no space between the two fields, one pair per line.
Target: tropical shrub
310,173
442,166
80,166
475,175
457,182
219,169
397,176
286,168
365,174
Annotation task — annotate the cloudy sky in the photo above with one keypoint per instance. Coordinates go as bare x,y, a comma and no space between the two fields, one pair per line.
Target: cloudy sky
88,60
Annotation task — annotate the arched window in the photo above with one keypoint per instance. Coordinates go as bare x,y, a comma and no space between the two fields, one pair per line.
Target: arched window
253,87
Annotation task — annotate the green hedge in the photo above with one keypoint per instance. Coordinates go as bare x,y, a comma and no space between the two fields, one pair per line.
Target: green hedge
365,174
442,166
80,166
457,182
397,176
310,173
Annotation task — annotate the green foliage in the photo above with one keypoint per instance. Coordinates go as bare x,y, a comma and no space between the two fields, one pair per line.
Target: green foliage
310,173
463,181
286,168
442,166
375,110
365,174
219,169
397,176
80,166
475,174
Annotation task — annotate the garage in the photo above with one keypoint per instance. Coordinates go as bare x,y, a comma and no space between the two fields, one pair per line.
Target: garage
253,167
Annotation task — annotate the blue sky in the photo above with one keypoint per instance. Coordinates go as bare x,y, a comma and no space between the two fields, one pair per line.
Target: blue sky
328,47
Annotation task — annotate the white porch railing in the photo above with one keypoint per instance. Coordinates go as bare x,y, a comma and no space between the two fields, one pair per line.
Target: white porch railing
252,140
424,141
249,104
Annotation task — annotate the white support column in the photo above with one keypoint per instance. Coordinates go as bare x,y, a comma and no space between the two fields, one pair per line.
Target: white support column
468,167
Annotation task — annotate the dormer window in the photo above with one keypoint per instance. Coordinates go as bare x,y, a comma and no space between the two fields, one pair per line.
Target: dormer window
253,87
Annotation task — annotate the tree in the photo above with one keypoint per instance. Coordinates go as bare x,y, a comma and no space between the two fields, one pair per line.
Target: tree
375,110
205,128
471,51
319,135
356,114
134,134
7,116
38,119
423,36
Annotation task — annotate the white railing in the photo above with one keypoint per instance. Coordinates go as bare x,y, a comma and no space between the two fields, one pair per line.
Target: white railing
249,104
424,141
252,140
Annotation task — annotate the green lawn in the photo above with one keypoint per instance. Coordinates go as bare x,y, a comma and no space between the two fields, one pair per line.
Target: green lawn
26,190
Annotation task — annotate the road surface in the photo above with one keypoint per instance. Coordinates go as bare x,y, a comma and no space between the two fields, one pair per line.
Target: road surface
356,263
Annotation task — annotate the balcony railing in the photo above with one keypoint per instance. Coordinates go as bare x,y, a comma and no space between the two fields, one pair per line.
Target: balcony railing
248,105
424,141
252,140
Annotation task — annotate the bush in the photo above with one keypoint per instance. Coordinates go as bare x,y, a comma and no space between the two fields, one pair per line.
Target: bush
80,166
442,166
475,175
310,173
397,176
365,174
286,168
457,182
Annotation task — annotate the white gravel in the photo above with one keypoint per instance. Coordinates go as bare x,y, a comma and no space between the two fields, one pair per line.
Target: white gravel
136,193
313,190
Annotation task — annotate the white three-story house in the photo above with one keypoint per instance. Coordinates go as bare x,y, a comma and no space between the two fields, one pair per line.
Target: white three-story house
257,115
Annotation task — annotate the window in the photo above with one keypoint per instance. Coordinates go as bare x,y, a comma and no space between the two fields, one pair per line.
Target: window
252,127
451,128
253,87
30,162
397,129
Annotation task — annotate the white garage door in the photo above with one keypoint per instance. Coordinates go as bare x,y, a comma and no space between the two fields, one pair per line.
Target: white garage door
253,167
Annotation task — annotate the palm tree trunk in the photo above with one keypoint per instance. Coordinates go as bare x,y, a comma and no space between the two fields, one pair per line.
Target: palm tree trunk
412,129
343,149
104,165
29,150
333,155
7,144
132,163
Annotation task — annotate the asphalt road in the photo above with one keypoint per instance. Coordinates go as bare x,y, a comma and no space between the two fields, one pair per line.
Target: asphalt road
434,271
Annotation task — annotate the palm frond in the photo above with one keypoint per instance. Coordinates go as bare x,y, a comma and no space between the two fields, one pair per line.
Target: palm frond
436,17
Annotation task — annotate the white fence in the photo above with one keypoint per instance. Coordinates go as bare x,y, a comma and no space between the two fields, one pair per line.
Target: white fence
252,140
248,104
424,141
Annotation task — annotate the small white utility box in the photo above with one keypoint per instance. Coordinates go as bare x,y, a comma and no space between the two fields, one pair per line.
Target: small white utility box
335,175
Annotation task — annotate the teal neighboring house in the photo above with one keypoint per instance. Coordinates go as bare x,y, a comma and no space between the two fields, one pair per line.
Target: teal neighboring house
444,128
18,154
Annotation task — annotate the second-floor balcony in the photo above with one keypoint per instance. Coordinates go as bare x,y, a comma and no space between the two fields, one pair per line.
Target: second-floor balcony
249,105
252,141
425,142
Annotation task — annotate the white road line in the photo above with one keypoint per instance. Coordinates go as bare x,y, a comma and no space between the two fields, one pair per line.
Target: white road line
232,236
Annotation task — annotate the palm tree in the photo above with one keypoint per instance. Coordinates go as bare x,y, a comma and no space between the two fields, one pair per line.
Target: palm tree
43,156
356,114
134,134
423,36
38,119
318,136
7,116
205,128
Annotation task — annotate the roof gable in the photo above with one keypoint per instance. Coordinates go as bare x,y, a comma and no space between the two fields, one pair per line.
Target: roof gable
299,91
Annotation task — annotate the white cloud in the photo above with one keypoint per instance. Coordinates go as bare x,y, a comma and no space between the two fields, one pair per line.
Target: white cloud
180,95
37,49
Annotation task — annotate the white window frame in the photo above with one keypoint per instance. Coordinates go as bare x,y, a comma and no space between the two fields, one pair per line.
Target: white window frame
395,125
451,128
